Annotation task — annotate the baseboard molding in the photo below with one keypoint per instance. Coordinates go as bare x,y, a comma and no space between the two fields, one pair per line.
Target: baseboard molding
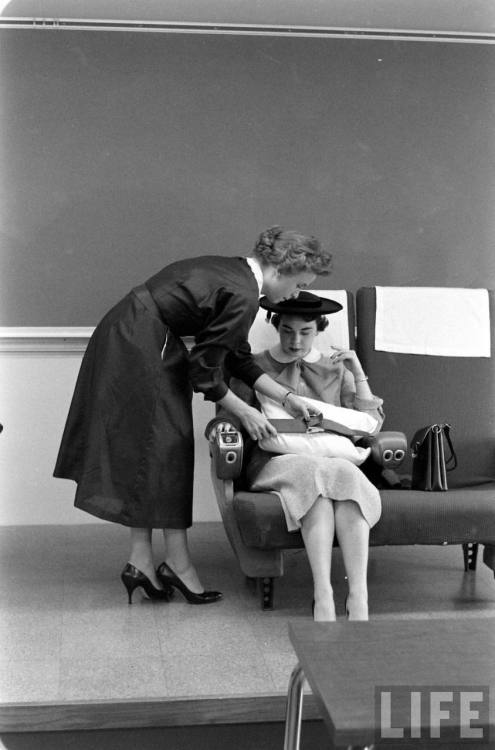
92,715
46,339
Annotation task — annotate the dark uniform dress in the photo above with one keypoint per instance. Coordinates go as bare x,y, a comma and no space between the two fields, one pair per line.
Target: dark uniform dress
128,441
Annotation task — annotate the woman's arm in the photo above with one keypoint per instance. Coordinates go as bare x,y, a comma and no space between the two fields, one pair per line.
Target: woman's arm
291,403
253,421
225,420
356,393
350,359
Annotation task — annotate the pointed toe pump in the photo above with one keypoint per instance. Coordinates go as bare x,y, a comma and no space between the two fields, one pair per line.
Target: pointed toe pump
167,577
132,578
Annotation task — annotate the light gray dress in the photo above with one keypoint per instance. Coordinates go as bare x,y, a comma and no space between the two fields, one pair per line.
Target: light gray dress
300,480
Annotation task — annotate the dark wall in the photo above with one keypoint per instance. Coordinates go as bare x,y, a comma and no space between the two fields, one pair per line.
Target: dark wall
124,151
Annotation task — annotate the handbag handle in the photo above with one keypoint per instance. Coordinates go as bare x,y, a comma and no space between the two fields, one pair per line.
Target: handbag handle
453,457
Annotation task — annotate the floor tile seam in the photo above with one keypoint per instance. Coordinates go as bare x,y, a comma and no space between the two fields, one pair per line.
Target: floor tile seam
29,660
217,651
230,607
43,690
59,678
20,620
97,636
94,655
158,634
124,612
28,655
59,633
222,624
269,672
253,657
113,694
102,616
86,637
232,644
134,657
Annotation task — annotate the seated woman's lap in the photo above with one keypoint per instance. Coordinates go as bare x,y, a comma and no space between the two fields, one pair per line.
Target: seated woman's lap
300,480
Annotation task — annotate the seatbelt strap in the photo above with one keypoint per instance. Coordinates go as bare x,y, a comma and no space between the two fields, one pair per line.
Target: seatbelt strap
316,423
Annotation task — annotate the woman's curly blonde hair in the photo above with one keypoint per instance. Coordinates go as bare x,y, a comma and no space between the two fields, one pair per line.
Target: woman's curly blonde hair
292,252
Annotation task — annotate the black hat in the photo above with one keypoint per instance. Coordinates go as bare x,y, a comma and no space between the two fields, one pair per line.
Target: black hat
304,304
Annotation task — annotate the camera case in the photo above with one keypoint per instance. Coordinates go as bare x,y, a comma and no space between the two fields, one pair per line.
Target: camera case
227,453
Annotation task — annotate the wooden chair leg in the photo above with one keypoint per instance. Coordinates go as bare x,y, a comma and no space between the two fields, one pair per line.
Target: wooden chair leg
470,551
266,586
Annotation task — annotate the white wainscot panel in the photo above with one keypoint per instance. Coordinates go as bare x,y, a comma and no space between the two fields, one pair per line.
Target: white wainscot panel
37,376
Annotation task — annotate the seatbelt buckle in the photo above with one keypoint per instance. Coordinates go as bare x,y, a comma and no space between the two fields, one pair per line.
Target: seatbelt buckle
314,423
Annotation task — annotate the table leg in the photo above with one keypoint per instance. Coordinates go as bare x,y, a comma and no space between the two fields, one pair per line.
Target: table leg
294,709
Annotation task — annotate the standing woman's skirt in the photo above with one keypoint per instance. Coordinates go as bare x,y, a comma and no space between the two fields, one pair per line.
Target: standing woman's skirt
128,441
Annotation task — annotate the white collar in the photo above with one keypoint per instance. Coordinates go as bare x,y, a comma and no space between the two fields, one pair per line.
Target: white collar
258,274
280,356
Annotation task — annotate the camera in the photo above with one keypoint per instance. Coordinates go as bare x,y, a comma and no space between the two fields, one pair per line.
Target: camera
227,452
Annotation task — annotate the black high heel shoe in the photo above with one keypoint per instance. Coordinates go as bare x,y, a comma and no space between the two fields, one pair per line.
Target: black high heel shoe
168,578
132,578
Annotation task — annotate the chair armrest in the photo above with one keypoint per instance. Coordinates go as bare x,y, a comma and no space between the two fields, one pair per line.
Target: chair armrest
388,449
226,452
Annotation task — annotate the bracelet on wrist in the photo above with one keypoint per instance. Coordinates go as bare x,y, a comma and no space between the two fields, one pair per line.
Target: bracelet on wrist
361,380
289,393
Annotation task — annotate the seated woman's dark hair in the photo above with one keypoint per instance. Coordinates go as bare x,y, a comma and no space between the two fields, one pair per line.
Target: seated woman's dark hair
321,320
292,252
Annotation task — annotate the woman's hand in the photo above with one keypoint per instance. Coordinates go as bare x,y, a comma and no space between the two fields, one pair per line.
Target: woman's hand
256,425
253,421
349,358
220,427
296,406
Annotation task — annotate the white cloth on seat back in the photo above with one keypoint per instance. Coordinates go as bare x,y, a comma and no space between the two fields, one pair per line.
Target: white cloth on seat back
436,321
263,335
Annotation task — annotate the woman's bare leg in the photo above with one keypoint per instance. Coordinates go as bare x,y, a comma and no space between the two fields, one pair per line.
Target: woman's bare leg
141,554
353,534
318,529
178,558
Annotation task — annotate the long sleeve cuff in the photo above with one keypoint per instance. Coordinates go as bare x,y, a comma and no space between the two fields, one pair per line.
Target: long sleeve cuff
365,404
216,393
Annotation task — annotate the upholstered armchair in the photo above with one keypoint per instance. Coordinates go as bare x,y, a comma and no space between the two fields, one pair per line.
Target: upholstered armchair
417,390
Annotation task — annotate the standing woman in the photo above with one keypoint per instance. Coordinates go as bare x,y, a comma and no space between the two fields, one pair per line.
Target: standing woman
128,441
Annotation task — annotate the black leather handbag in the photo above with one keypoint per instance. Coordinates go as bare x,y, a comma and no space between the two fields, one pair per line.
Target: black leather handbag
430,466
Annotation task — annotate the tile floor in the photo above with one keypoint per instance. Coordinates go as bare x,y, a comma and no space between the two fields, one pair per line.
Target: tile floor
68,634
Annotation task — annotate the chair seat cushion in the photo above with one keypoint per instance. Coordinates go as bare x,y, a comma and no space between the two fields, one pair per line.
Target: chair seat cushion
457,516
262,523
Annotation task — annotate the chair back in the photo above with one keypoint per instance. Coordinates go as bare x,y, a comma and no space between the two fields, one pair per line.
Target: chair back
420,389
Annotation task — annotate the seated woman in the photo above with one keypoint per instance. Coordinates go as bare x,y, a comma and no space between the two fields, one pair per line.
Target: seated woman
322,496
